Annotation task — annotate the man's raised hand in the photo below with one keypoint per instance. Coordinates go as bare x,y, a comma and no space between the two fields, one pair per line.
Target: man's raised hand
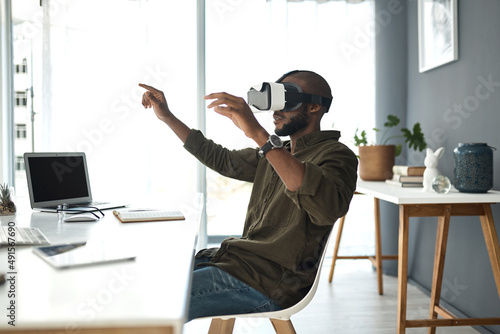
154,98
236,109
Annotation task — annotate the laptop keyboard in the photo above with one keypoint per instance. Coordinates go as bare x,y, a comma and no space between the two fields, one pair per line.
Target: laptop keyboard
23,236
78,205
93,203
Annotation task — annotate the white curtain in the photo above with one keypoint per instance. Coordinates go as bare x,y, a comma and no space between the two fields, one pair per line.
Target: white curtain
254,41
95,55
336,39
46,89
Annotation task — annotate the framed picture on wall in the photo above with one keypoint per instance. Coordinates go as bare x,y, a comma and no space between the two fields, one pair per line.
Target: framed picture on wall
437,33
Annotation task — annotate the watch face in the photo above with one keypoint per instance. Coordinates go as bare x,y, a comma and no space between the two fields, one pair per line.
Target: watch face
275,141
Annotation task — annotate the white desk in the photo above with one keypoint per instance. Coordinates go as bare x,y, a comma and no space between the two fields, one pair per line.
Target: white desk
413,202
150,293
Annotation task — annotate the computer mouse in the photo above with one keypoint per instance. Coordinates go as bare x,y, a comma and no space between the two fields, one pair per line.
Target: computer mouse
80,217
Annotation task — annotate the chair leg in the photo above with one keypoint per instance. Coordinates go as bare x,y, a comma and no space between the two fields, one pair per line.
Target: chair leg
283,326
221,326
337,245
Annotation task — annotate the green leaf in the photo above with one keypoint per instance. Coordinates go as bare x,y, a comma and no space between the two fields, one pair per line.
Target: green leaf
398,150
361,140
416,139
392,121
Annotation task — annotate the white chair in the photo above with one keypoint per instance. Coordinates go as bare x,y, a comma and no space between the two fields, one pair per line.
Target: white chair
280,319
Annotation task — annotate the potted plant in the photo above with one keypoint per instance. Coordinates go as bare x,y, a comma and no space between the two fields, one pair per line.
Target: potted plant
376,159
7,206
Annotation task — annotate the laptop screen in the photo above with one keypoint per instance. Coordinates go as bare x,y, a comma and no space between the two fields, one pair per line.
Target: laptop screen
57,177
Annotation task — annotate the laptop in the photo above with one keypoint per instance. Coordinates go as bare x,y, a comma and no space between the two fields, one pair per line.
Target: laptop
60,178
20,236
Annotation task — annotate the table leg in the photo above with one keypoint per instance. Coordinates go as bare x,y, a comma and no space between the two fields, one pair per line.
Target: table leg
336,249
439,258
404,219
491,239
378,246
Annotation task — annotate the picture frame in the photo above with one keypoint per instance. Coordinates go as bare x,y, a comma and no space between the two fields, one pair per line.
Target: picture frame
437,33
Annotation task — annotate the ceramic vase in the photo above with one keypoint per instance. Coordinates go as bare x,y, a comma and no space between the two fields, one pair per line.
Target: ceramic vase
473,167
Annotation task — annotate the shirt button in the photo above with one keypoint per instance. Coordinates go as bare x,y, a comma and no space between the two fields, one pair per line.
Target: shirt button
265,200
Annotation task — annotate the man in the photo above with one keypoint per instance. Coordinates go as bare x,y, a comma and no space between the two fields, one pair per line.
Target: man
299,191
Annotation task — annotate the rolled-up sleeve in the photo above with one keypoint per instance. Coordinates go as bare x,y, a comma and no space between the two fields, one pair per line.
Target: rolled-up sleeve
237,164
328,186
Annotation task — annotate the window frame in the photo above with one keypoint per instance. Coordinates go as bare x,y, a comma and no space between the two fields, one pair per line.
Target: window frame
7,173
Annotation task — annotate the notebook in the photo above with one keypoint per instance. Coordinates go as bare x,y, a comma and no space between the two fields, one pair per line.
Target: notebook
136,216
60,178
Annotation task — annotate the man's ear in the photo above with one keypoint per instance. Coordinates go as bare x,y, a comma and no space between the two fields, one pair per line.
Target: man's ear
313,107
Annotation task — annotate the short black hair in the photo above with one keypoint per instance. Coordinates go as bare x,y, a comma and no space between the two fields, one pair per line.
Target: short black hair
313,82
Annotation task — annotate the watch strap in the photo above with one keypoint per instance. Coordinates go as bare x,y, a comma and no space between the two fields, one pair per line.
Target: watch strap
272,143
266,148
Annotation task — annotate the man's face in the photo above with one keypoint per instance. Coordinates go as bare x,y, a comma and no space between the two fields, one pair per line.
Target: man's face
290,122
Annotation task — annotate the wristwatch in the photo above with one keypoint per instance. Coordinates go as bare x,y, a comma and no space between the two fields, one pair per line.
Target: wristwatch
272,143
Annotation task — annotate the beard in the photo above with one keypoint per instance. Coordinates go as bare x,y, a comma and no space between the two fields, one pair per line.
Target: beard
296,123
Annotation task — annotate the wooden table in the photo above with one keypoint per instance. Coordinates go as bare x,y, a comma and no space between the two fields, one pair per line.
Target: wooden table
147,295
413,202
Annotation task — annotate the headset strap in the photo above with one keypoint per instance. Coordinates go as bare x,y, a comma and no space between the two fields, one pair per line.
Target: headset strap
308,98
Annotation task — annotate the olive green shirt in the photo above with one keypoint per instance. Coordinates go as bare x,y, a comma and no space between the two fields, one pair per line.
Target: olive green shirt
284,231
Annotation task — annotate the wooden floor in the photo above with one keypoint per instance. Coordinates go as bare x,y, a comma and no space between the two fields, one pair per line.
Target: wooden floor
350,305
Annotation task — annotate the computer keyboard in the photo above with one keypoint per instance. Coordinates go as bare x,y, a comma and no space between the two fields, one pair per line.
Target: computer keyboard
23,236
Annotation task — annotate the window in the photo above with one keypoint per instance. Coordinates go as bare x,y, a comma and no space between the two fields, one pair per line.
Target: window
22,68
21,131
21,98
86,94
19,164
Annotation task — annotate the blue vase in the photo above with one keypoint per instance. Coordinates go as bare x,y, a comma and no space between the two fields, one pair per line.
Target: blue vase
473,167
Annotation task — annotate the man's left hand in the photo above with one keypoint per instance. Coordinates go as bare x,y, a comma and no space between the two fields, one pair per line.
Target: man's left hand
239,112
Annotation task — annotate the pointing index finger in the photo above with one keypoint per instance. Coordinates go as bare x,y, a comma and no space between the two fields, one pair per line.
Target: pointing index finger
150,88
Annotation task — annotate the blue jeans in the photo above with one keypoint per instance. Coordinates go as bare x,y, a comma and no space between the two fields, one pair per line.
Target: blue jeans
214,293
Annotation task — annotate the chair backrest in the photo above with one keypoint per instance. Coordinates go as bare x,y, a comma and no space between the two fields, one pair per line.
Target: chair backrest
309,296
285,314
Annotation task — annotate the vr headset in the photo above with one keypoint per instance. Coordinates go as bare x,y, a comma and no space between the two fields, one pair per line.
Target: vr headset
284,96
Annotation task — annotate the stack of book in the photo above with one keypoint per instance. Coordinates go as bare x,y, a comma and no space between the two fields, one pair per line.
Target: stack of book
407,176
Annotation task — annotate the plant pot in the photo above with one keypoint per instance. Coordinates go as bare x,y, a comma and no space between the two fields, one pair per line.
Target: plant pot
375,162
